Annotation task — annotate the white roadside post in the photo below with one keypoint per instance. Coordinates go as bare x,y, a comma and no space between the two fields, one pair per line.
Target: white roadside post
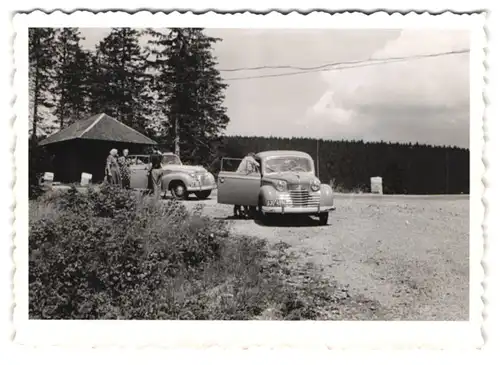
376,185
86,179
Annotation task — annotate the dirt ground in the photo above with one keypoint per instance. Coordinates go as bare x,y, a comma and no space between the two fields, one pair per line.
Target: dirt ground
409,254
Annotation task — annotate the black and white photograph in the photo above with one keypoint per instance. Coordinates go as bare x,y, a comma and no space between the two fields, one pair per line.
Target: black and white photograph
205,173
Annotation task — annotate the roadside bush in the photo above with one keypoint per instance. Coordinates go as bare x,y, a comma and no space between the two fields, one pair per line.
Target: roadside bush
107,202
39,161
108,254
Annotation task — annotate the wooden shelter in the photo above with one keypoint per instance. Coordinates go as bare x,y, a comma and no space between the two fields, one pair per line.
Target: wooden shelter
85,144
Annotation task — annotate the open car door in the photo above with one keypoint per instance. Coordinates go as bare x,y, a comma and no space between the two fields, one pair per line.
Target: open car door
236,188
139,172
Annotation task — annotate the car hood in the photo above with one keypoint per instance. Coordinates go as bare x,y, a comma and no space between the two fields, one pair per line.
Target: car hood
184,168
291,177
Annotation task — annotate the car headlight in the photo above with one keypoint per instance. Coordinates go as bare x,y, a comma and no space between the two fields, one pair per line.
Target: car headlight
195,176
315,185
281,185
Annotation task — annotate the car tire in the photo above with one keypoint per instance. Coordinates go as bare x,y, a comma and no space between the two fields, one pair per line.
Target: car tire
323,219
253,213
179,191
202,195
261,216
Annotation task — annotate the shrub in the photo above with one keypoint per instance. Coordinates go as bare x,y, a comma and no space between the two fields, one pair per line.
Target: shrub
107,201
39,161
107,254
107,248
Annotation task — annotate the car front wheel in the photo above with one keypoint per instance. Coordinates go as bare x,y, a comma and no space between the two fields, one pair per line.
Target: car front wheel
203,194
261,216
323,219
179,191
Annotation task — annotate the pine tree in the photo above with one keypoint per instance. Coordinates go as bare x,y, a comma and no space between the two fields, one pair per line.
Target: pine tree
70,84
81,80
41,67
97,84
121,84
191,89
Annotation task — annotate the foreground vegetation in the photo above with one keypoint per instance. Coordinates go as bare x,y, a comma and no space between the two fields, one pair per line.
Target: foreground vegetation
110,254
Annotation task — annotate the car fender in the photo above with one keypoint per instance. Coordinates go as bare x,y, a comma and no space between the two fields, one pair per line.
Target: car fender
267,192
326,195
168,177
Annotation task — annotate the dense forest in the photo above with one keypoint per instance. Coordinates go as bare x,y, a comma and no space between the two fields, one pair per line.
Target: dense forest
165,84
349,165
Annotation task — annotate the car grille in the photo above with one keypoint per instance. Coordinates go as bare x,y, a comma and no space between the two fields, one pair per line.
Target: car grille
303,186
303,198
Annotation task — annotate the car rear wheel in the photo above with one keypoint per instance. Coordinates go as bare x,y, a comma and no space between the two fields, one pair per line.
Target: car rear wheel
203,194
323,219
178,191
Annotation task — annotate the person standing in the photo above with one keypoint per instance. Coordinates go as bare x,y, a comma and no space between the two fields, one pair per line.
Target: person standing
156,174
124,162
248,165
113,169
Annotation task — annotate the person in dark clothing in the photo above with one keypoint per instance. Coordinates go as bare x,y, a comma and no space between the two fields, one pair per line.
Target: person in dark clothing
156,174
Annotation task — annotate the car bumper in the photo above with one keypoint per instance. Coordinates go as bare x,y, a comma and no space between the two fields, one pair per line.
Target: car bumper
200,187
297,210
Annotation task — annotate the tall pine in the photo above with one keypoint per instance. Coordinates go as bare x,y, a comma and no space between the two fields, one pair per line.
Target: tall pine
120,82
41,69
70,91
191,91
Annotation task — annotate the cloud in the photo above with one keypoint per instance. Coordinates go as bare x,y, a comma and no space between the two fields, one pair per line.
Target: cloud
418,100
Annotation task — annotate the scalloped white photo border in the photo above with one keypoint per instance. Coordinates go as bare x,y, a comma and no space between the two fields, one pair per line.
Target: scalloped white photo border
245,334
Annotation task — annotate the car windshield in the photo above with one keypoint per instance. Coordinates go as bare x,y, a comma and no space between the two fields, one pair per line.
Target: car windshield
288,163
171,160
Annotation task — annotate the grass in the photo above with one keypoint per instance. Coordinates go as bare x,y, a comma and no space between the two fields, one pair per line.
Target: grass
110,254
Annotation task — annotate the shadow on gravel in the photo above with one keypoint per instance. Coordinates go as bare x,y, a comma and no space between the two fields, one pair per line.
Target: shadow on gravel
279,221
195,199
288,221
188,199
231,218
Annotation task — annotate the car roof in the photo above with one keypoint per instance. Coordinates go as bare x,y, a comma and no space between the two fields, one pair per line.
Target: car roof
278,153
146,155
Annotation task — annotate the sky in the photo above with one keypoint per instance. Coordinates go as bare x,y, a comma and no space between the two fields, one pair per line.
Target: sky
420,100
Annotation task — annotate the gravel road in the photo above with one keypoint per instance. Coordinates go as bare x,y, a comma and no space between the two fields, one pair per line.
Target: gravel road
409,254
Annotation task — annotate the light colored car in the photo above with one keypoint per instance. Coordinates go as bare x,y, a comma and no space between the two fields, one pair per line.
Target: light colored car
285,184
181,180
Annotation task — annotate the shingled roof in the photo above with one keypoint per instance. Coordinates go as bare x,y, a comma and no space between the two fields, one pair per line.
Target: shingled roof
99,127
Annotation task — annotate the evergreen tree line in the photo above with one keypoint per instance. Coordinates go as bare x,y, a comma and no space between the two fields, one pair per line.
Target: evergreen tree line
405,168
168,88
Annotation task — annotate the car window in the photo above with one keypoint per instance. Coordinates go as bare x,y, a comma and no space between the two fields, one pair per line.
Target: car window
171,160
142,160
230,164
288,163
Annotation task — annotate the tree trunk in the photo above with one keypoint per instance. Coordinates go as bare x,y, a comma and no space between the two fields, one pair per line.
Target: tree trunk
177,146
35,94
35,105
